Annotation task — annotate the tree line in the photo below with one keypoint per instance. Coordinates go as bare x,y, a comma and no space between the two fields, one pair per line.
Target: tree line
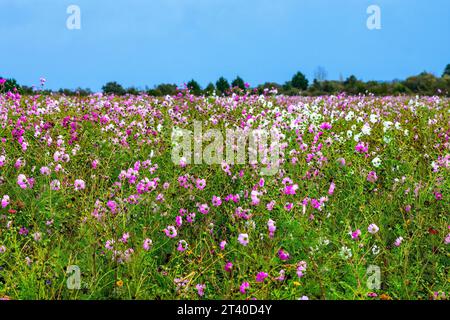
424,83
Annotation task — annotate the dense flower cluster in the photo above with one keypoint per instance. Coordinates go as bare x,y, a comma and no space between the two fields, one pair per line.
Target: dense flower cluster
90,181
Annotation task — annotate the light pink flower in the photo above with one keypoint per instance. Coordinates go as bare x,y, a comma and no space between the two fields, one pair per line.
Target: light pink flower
79,185
243,239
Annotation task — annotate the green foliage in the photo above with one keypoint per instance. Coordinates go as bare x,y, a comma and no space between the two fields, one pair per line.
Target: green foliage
238,83
163,89
194,87
222,85
113,88
299,81
9,85
209,90
446,71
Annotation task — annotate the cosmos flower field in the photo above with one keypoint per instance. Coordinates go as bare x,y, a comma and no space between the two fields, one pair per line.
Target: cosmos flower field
357,209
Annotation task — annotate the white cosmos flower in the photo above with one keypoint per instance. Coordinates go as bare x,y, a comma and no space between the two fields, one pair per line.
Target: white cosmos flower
376,162
366,129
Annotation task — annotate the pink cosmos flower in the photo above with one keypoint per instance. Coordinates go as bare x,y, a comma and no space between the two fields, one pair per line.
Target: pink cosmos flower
183,162
170,231
290,189
147,244
203,208
182,245
22,181
37,236
23,231
331,190
95,164
373,228
261,182
272,228
125,238
283,255
341,162
19,163
200,289
398,241
112,205
45,171
301,267
243,239
222,245
55,185
109,244
79,185
216,201
282,276
372,177
270,205
447,239
201,184
5,201
254,196
179,221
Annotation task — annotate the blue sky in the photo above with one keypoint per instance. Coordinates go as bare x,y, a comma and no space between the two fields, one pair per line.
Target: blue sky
146,42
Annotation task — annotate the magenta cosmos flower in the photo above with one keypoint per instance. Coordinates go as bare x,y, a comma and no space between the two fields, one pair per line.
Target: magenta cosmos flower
261,276
355,234
283,255
244,286
228,266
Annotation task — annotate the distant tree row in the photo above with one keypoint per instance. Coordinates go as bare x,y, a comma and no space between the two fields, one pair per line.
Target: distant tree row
423,84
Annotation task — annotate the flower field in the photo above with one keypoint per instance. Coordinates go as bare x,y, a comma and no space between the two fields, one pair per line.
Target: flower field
356,205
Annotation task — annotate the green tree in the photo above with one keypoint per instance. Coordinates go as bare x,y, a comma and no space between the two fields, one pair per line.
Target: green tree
132,91
113,88
425,83
299,81
209,90
9,85
239,83
164,89
268,86
353,86
194,87
222,85
446,71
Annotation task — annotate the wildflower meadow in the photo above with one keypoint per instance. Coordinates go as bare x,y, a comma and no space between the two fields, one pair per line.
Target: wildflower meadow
246,196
